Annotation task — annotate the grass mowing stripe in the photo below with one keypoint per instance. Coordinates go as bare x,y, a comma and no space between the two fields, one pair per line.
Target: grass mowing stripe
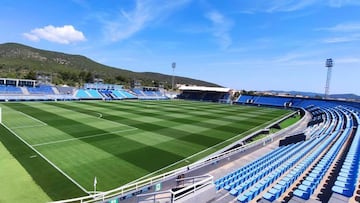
42,156
175,109
161,115
157,128
86,112
27,126
216,113
15,178
154,126
164,129
197,138
142,110
80,138
186,161
32,118
51,181
135,157
160,124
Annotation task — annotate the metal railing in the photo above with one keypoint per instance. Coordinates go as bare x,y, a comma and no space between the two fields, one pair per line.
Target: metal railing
189,186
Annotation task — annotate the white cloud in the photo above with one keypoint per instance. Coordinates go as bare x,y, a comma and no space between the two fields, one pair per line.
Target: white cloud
342,39
221,28
83,3
31,37
344,27
346,32
273,6
341,3
63,35
289,5
146,11
348,60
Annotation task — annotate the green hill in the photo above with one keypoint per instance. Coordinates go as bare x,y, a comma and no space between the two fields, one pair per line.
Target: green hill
20,61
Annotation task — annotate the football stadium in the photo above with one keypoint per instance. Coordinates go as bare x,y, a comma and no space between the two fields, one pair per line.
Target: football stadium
104,143
180,101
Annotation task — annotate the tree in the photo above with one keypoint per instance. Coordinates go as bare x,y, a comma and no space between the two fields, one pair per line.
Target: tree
82,75
89,77
121,78
236,95
31,75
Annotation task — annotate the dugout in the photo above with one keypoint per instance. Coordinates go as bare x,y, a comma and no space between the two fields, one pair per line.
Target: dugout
292,139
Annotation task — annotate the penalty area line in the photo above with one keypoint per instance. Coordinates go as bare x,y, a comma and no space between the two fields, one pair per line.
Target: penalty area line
46,159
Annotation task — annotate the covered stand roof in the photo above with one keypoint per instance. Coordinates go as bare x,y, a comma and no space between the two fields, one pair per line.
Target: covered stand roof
203,88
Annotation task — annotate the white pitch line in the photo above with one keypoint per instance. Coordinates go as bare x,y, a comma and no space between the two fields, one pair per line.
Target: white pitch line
106,120
80,138
100,115
35,119
27,126
42,156
114,122
187,158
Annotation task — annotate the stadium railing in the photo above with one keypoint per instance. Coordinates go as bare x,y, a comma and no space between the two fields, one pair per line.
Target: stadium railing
190,186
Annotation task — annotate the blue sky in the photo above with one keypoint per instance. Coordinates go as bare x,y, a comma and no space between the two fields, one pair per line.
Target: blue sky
241,44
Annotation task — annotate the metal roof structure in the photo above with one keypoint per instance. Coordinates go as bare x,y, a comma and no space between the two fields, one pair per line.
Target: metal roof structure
203,88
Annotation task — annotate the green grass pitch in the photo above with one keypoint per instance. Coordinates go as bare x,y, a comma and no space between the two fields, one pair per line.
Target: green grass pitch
119,142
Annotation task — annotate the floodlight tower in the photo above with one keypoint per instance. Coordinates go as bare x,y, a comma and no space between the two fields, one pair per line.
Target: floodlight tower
173,65
329,65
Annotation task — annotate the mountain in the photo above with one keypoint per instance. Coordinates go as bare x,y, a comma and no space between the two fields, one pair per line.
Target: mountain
345,96
306,94
20,61
314,94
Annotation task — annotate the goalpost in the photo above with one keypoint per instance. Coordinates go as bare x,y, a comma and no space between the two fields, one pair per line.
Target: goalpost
0,115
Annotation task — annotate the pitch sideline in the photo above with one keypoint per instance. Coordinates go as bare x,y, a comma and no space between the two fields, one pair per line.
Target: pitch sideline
42,156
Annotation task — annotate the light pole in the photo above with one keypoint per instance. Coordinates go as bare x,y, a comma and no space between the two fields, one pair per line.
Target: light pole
173,65
329,65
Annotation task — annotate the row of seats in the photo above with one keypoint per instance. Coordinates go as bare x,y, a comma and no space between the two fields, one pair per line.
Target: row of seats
8,89
284,165
348,177
38,90
42,90
148,94
317,115
103,94
290,101
319,128
47,90
248,184
315,175
273,101
312,180
228,179
284,183
262,170
244,98
248,195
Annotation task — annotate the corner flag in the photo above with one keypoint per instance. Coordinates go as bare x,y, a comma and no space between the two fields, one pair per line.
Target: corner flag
95,182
